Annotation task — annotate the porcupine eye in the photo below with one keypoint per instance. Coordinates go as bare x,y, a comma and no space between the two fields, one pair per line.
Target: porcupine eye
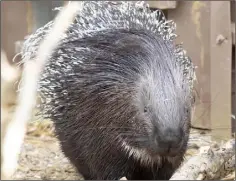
145,109
187,111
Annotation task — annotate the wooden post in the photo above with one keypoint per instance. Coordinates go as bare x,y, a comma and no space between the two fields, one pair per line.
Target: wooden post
221,50
163,4
233,14
56,4
14,25
42,13
198,25
193,25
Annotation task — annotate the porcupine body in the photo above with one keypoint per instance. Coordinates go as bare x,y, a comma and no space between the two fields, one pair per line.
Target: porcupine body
118,91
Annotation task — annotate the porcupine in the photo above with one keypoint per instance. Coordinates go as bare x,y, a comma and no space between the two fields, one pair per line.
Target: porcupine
119,91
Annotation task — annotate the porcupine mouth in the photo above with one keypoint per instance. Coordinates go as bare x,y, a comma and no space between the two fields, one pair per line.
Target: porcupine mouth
164,153
151,152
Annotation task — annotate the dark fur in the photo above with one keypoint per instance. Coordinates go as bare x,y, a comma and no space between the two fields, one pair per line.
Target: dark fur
129,87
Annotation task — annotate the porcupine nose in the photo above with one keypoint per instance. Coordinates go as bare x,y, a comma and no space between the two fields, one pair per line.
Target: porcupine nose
168,141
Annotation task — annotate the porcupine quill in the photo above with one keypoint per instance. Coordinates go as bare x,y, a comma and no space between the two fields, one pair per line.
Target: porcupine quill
66,89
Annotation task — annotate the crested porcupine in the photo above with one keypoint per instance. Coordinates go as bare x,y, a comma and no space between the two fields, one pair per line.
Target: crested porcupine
119,91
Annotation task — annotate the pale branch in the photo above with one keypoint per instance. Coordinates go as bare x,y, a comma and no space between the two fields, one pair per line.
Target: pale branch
26,99
210,163
9,75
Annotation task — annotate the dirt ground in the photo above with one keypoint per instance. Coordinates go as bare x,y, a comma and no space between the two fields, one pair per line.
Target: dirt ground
42,159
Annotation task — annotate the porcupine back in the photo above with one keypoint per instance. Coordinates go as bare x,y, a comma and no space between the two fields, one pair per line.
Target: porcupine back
97,16
79,61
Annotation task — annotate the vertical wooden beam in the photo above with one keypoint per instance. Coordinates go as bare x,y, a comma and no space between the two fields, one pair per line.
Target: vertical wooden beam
29,17
13,25
233,120
56,4
193,25
221,50
42,13
198,25
163,4
233,14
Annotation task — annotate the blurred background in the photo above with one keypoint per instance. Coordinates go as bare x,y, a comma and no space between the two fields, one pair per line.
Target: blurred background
206,28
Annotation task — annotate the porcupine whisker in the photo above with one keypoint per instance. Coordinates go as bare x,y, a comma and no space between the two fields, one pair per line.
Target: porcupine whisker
128,135
137,139
141,139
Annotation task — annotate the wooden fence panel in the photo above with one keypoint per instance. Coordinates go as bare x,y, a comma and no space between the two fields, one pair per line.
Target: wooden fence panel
221,60
14,25
199,25
193,24
163,4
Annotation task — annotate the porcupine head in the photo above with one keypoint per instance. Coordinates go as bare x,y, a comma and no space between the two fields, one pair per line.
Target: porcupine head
118,70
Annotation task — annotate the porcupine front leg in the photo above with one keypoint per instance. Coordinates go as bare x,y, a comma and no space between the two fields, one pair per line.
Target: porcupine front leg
113,166
68,148
94,165
141,173
162,171
167,169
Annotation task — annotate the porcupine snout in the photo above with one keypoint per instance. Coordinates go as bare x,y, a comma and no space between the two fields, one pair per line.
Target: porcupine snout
167,141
